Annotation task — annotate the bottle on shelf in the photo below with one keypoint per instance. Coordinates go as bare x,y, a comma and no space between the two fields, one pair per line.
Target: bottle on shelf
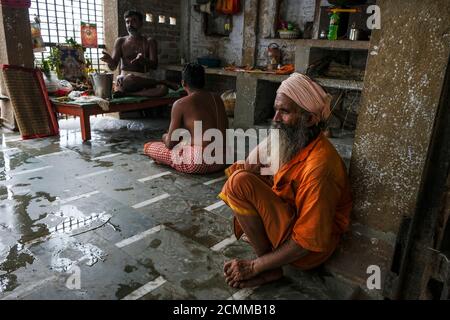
333,27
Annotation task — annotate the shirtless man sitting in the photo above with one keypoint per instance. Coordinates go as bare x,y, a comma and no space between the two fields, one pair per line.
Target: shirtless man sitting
137,55
199,105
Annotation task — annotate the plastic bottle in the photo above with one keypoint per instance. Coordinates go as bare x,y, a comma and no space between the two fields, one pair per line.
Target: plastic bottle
333,28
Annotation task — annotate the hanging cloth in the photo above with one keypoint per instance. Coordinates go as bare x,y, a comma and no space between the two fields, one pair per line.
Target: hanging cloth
228,6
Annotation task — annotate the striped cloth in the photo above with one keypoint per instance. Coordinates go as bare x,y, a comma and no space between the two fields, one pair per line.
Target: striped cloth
188,159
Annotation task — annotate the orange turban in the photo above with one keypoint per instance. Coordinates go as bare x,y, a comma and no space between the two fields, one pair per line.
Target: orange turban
308,95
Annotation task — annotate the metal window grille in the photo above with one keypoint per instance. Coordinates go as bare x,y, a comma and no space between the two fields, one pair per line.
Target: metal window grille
61,20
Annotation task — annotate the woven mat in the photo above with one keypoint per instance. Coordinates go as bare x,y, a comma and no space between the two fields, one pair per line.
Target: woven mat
30,109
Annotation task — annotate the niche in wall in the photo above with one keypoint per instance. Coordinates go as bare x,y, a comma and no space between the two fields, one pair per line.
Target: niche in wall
217,25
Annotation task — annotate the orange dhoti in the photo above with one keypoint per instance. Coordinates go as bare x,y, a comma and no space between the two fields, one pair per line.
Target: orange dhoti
247,193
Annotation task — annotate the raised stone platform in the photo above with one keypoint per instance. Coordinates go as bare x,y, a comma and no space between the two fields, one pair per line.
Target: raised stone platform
254,90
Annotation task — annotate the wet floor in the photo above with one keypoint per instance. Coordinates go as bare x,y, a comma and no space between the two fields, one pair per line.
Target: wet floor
99,220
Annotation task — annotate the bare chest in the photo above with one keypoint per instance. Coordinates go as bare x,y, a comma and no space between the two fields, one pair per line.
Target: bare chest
130,49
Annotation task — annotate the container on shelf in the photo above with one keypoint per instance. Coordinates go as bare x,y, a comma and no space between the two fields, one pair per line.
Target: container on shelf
289,34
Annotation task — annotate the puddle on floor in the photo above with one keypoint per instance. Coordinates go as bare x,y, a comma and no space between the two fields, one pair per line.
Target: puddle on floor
16,259
126,289
18,217
104,164
130,269
70,252
8,282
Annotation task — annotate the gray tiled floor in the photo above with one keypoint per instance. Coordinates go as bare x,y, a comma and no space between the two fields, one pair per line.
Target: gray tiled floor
34,258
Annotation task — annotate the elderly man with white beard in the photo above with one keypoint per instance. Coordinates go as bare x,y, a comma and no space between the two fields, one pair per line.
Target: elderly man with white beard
296,216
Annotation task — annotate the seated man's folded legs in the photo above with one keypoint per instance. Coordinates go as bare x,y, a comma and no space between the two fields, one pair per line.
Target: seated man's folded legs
139,86
264,217
158,152
159,91
134,85
188,160
258,211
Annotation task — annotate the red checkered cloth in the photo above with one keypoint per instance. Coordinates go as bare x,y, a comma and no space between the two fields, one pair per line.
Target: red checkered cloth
187,159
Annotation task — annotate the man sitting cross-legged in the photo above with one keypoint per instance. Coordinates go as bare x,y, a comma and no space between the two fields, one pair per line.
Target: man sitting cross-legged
198,106
297,216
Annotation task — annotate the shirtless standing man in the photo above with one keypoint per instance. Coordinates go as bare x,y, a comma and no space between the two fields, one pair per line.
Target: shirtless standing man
137,55
199,105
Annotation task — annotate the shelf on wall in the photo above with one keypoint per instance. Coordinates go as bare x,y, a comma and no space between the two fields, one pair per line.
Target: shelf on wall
281,39
214,71
334,44
340,83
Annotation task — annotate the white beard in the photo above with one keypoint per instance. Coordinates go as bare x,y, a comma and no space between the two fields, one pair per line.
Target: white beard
291,141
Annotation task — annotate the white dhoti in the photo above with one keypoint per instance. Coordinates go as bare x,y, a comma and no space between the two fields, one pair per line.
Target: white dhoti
145,75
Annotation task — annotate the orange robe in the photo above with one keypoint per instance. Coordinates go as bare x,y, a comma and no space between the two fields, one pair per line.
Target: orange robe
309,200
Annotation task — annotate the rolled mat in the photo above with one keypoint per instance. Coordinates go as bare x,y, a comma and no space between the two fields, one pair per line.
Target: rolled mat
29,99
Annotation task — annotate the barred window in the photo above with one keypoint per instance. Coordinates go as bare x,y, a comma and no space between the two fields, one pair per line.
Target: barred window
61,20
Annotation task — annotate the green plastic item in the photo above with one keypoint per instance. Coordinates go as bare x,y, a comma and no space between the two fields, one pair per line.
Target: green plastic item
334,25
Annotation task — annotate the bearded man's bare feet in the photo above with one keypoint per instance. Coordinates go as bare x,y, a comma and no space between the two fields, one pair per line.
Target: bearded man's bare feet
242,274
260,279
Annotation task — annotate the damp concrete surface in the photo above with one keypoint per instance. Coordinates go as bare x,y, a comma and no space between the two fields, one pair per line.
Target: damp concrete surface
100,220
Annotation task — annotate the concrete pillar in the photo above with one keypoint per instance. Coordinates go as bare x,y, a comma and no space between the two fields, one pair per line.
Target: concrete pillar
15,49
403,85
302,54
315,33
111,23
185,21
249,34
402,90
245,100
269,10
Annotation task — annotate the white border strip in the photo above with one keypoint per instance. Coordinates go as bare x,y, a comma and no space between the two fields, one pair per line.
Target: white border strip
224,243
21,292
207,183
150,201
113,144
94,173
9,149
29,171
242,294
155,176
139,236
54,153
13,139
146,289
22,192
215,205
81,196
106,156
